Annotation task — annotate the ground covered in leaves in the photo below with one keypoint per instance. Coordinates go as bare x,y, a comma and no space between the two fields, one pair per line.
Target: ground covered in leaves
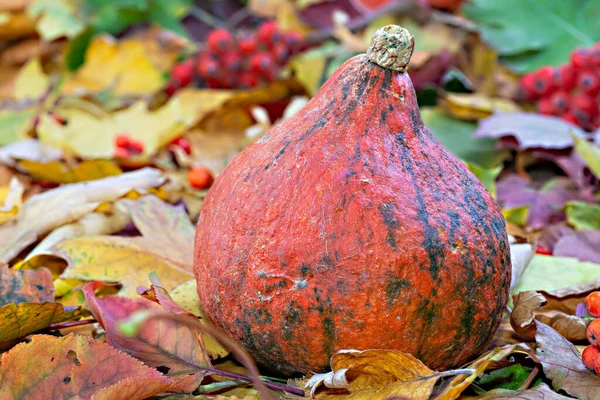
113,124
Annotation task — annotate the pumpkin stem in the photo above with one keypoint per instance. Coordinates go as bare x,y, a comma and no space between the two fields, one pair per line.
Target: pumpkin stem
391,48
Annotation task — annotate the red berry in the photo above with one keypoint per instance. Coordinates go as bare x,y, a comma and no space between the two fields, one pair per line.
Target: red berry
183,143
200,177
208,68
280,53
589,82
122,140
170,89
121,152
541,249
247,44
565,77
593,332
570,118
589,357
248,79
581,58
219,40
560,101
269,33
136,147
546,106
595,55
262,62
543,84
584,107
232,62
183,73
527,85
293,40
592,303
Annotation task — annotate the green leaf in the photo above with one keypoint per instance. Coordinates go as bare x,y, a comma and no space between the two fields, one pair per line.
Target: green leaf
589,152
75,56
516,215
582,215
456,136
15,124
529,34
511,377
58,18
114,20
487,176
167,14
549,273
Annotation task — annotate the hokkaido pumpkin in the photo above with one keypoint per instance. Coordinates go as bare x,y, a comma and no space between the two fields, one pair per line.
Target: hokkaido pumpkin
348,226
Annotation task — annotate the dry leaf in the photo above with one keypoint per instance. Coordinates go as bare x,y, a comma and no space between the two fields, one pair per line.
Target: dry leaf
19,25
25,286
75,367
31,82
473,107
373,374
11,198
540,392
561,362
159,343
531,305
31,150
121,66
19,320
59,172
165,247
45,211
14,5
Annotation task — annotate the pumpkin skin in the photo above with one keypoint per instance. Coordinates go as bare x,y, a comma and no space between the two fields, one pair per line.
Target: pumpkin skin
348,226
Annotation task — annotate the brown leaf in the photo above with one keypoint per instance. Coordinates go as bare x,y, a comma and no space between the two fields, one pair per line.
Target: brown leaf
43,212
540,392
75,367
561,362
487,361
158,343
373,374
551,310
33,286
19,320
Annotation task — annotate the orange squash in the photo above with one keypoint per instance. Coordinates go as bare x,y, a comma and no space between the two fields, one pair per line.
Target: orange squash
348,226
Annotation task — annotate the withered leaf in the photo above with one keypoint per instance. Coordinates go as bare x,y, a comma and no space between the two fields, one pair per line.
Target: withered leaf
18,286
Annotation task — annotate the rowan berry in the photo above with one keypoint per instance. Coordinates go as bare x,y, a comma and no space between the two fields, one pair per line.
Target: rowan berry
592,303
219,40
593,332
588,356
199,177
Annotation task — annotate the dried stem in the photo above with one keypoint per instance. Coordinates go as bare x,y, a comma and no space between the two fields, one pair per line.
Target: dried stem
530,378
71,324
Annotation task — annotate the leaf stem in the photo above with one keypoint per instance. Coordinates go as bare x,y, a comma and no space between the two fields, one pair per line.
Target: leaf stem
71,324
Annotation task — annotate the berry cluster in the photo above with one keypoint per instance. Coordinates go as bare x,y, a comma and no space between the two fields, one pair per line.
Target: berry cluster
126,146
570,91
241,61
590,353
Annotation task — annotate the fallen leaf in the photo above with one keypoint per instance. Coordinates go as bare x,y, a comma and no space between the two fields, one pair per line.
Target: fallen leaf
31,83
11,198
373,374
25,286
19,320
19,25
186,296
159,343
540,392
530,130
59,172
562,364
530,306
589,152
14,5
583,245
57,18
473,107
45,211
165,247
582,215
486,361
531,34
29,149
521,255
75,367
15,124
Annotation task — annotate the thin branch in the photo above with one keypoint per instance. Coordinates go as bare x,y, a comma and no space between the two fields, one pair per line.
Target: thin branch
530,378
71,324
206,17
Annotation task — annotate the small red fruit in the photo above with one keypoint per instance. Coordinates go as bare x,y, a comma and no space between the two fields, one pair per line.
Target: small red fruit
584,106
565,77
183,73
589,82
208,68
248,79
280,53
247,44
232,62
269,33
121,152
560,101
593,332
200,177
588,356
546,106
541,249
581,58
592,302
293,40
262,62
528,86
219,40
595,56
136,147
543,84
570,118
122,140
183,143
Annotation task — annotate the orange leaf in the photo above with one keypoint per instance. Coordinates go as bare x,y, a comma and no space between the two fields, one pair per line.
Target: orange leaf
17,286
75,367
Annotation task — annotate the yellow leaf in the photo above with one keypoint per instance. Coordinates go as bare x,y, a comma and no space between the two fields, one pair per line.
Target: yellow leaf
166,246
59,172
474,107
11,197
516,215
589,152
152,128
122,67
14,125
45,211
31,82
18,25
309,69
374,375
266,8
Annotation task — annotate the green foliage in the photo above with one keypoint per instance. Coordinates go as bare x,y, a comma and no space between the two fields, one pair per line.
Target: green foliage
511,377
529,34
582,215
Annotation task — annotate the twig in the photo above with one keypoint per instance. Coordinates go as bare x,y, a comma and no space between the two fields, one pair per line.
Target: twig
238,16
206,17
240,354
71,324
530,378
